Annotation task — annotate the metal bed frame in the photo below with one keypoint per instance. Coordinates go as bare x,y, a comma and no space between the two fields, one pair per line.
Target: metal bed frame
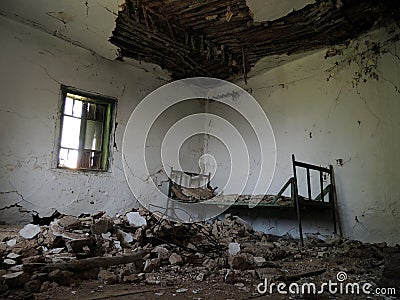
326,199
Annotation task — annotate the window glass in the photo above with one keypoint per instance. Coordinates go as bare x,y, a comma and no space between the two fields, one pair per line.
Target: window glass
70,132
94,134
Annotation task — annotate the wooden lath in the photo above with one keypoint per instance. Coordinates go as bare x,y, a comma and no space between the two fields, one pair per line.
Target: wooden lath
208,38
154,38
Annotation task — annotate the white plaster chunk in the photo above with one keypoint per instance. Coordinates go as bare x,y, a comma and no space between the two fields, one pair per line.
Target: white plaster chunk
8,261
12,275
17,268
106,236
11,243
234,248
29,231
58,230
56,250
259,261
117,245
135,219
13,255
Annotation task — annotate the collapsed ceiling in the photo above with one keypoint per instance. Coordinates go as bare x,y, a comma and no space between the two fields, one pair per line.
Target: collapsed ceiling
220,38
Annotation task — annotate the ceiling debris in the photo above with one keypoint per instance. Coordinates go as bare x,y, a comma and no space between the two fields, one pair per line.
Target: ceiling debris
221,39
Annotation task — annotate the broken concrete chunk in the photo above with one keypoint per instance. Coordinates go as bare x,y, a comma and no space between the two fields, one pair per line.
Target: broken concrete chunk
234,248
17,268
69,222
56,250
13,255
106,236
29,231
175,259
259,261
11,243
102,225
58,230
9,262
77,246
242,261
162,252
135,219
117,245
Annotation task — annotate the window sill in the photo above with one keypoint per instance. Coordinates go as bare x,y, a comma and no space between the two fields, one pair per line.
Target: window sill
65,170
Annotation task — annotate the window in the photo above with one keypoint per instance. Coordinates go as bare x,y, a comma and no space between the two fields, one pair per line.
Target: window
85,131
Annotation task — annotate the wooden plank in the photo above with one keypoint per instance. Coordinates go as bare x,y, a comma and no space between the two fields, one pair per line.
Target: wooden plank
89,263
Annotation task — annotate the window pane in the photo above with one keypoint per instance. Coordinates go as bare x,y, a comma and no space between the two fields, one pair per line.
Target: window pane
77,110
90,160
94,135
95,112
70,132
68,158
68,106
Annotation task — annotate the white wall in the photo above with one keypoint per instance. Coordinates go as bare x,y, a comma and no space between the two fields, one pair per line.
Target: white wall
321,121
33,66
318,120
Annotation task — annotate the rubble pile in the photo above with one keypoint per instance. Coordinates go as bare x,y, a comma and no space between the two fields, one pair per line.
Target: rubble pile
144,249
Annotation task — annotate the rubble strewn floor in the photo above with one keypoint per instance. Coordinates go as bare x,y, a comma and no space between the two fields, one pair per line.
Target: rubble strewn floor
142,256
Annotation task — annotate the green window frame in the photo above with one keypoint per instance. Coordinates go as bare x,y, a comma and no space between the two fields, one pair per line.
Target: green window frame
85,130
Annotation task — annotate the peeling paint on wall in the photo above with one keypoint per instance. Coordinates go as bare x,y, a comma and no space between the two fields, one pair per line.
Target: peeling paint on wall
357,126
37,64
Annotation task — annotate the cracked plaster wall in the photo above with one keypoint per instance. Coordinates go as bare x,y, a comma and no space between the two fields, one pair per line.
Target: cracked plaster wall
356,129
34,64
320,121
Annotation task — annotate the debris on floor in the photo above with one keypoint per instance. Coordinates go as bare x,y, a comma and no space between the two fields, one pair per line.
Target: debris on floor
192,194
143,249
